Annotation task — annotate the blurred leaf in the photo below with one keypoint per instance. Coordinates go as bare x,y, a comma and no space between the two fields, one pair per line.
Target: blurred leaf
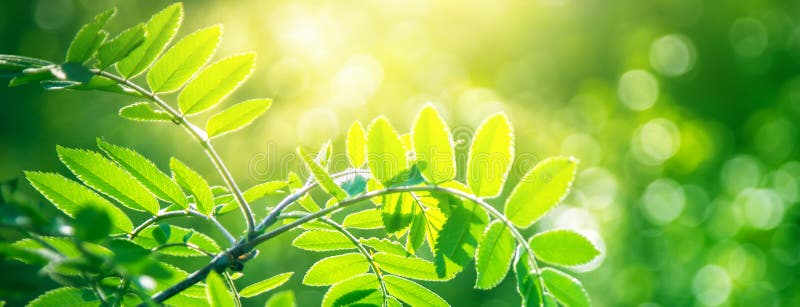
88,38
183,60
92,224
146,172
322,240
215,83
365,288
217,293
161,233
528,285
386,155
366,219
541,189
18,63
105,176
282,299
566,289
494,255
459,237
161,28
490,156
563,247
409,266
266,285
236,117
433,146
120,46
192,181
143,111
70,197
356,145
334,269
412,293
321,176
67,296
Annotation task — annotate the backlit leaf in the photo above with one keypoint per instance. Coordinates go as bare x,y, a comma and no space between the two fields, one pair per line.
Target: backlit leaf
321,176
433,146
236,117
367,219
322,240
88,38
567,289
412,293
494,255
148,238
283,298
215,83
262,190
356,145
528,285
217,293
563,247
334,269
266,285
183,60
386,154
397,210
490,156
120,46
459,237
143,111
161,28
361,290
197,186
408,266
385,245
67,296
541,189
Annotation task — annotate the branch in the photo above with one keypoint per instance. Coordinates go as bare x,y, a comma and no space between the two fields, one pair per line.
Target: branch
198,135
188,212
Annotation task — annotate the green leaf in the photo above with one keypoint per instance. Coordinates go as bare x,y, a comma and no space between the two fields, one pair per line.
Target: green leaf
385,246
356,145
215,82
490,156
282,299
216,291
261,190
386,154
161,28
88,38
494,255
354,183
360,290
563,247
183,60
411,267
321,176
334,269
528,285
367,219
459,237
67,296
266,285
197,186
236,117
70,197
105,176
149,238
143,111
417,230
146,172
412,293
541,189
433,146
567,290
397,210
322,240
120,46
92,224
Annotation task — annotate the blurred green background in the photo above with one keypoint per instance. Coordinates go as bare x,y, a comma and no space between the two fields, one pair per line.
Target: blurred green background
684,115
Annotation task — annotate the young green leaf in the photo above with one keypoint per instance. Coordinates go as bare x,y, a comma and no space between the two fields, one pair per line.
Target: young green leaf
321,176
397,210
528,285
161,28
386,154
494,255
215,83
563,247
217,293
266,285
197,186
66,296
433,146
183,60
92,224
262,190
434,220
417,230
411,267
283,298
541,189
367,219
146,172
359,290
105,176
70,197
412,293
567,290
153,236
236,117
385,246
322,240
89,37
334,269
143,111
490,156
459,237
356,145
120,46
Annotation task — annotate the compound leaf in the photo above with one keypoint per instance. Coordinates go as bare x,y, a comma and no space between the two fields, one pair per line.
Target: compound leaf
105,176
266,285
433,146
541,189
215,82
494,255
161,28
236,117
490,156
183,60
334,269
563,247
197,186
